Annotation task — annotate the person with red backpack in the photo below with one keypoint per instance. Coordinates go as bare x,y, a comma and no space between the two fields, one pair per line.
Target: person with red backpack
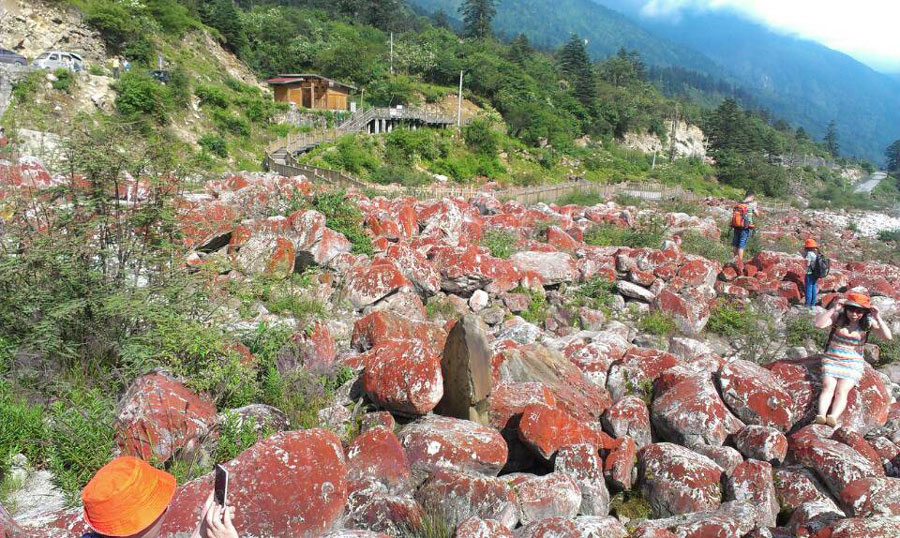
742,217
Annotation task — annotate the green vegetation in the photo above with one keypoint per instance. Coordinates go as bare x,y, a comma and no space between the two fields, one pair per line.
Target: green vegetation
889,235
695,243
501,242
657,323
631,505
537,311
596,293
236,435
800,331
753,333
645,234
65,80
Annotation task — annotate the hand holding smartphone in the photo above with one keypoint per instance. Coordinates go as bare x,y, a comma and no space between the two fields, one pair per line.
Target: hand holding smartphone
221,491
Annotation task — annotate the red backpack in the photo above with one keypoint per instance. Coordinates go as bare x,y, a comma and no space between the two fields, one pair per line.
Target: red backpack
740,216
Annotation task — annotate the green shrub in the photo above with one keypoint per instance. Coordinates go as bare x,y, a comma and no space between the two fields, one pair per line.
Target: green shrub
648,234
236,436
344,216
730,320
800,331
24,90
408,177
537,307
581,198
257,110
230,123
96,70
754,334
501,242
352,154
139,94
658,323
439,308
211,95
481,138
115,22
22,429
81,438
65,80
695,243
214,144
596,293
889,235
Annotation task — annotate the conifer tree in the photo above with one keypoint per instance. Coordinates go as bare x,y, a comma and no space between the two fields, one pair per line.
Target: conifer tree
520,49
893,157
831,139
477,16
576,67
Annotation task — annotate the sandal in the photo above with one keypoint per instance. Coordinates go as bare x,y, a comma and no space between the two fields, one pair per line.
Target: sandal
820,419
831,421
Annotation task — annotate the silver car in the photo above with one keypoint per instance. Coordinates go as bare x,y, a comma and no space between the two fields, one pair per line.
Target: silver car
55,59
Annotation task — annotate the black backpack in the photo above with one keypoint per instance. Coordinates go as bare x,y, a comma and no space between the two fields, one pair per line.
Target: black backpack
821,266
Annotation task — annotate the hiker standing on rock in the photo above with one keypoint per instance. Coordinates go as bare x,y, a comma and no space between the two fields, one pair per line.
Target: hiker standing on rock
742,217
128,498
810,254
851,320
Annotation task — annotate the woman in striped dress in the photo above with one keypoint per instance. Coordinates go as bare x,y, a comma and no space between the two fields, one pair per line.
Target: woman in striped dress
851,320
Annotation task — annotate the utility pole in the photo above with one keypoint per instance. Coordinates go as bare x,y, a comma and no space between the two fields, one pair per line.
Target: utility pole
459,103
392,53
672,136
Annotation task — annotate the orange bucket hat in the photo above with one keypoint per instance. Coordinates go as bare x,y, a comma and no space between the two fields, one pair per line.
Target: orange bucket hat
126,496
859,300
810,243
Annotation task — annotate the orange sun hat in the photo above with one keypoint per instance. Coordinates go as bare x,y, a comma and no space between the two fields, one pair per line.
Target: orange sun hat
126,496
860,300
810,243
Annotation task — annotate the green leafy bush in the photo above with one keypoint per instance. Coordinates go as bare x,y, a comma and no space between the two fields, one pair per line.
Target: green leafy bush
501,242
481,138
22,429
214,144
211,95
658,323
230,123
65,80
139,94
537,308
344,216
596,293
800,331
648,234
236,436
889,235
695,243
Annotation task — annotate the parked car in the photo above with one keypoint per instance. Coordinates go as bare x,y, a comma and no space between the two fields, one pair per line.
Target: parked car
54,59
10,57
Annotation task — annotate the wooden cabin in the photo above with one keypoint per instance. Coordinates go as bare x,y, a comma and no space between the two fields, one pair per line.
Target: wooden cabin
311,91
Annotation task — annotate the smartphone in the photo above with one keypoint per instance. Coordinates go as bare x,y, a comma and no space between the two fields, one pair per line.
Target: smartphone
221,485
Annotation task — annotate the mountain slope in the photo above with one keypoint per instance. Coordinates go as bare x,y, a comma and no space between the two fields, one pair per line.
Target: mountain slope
805,82
550,24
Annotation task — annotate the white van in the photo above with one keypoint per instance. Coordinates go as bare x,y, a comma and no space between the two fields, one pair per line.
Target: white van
54,59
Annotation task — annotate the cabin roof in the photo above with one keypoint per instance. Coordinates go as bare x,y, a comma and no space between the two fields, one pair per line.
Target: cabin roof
292,78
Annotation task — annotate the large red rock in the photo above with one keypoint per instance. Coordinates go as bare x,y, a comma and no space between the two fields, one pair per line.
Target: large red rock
675,480
466,270
377,454
553,267
583,464
619,465
863,527
403,376
458,496
795,485
872,496
383,326
636,372
689,309
475,527
581,527
202,226
594,358
317,346
752,482
372,506
290,484
755,395
691,413
629,416
834,462
763,443
541,497
699,271
508,400
416,267
725,457
158,417
546,429
730,520
574,393
436,442
8,527
367,284
856,441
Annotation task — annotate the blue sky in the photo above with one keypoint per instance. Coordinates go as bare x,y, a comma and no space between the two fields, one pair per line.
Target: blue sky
865,29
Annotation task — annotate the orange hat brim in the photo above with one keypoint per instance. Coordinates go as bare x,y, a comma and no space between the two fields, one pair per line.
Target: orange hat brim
145,514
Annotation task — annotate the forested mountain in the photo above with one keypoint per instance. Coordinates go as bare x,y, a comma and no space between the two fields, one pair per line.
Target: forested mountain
804,82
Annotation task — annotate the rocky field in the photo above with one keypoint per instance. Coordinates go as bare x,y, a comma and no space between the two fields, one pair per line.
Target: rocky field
515,372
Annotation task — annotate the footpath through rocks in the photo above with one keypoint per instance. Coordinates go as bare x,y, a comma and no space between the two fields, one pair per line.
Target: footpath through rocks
573,424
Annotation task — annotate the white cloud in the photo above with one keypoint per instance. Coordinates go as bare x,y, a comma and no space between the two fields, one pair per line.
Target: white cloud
865,29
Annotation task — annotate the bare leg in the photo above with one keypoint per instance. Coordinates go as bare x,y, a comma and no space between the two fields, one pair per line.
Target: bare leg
828,385
840,397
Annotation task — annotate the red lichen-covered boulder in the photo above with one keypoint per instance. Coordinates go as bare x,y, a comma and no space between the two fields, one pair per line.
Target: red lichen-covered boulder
377,454
691,413
675,480
508,400
416,267
204,225
583,464
550,495
872,496
159,416
436,442
383,326
371,505
762,443
730,520
546,429
834,462
458,496
725,457
638,368
699,271
619,465
755,395
559,239
795,485
594,358
581,527
367,284
8,527
862,527
475,527
853,439
553,267
752,482
574,393
317,346
629,416
403,376
689,309
290,484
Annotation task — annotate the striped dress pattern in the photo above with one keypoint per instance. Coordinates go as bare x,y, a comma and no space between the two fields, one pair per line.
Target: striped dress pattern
843,357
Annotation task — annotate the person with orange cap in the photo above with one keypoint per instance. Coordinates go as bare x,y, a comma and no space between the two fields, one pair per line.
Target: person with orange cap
810,253
128,497
851,320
